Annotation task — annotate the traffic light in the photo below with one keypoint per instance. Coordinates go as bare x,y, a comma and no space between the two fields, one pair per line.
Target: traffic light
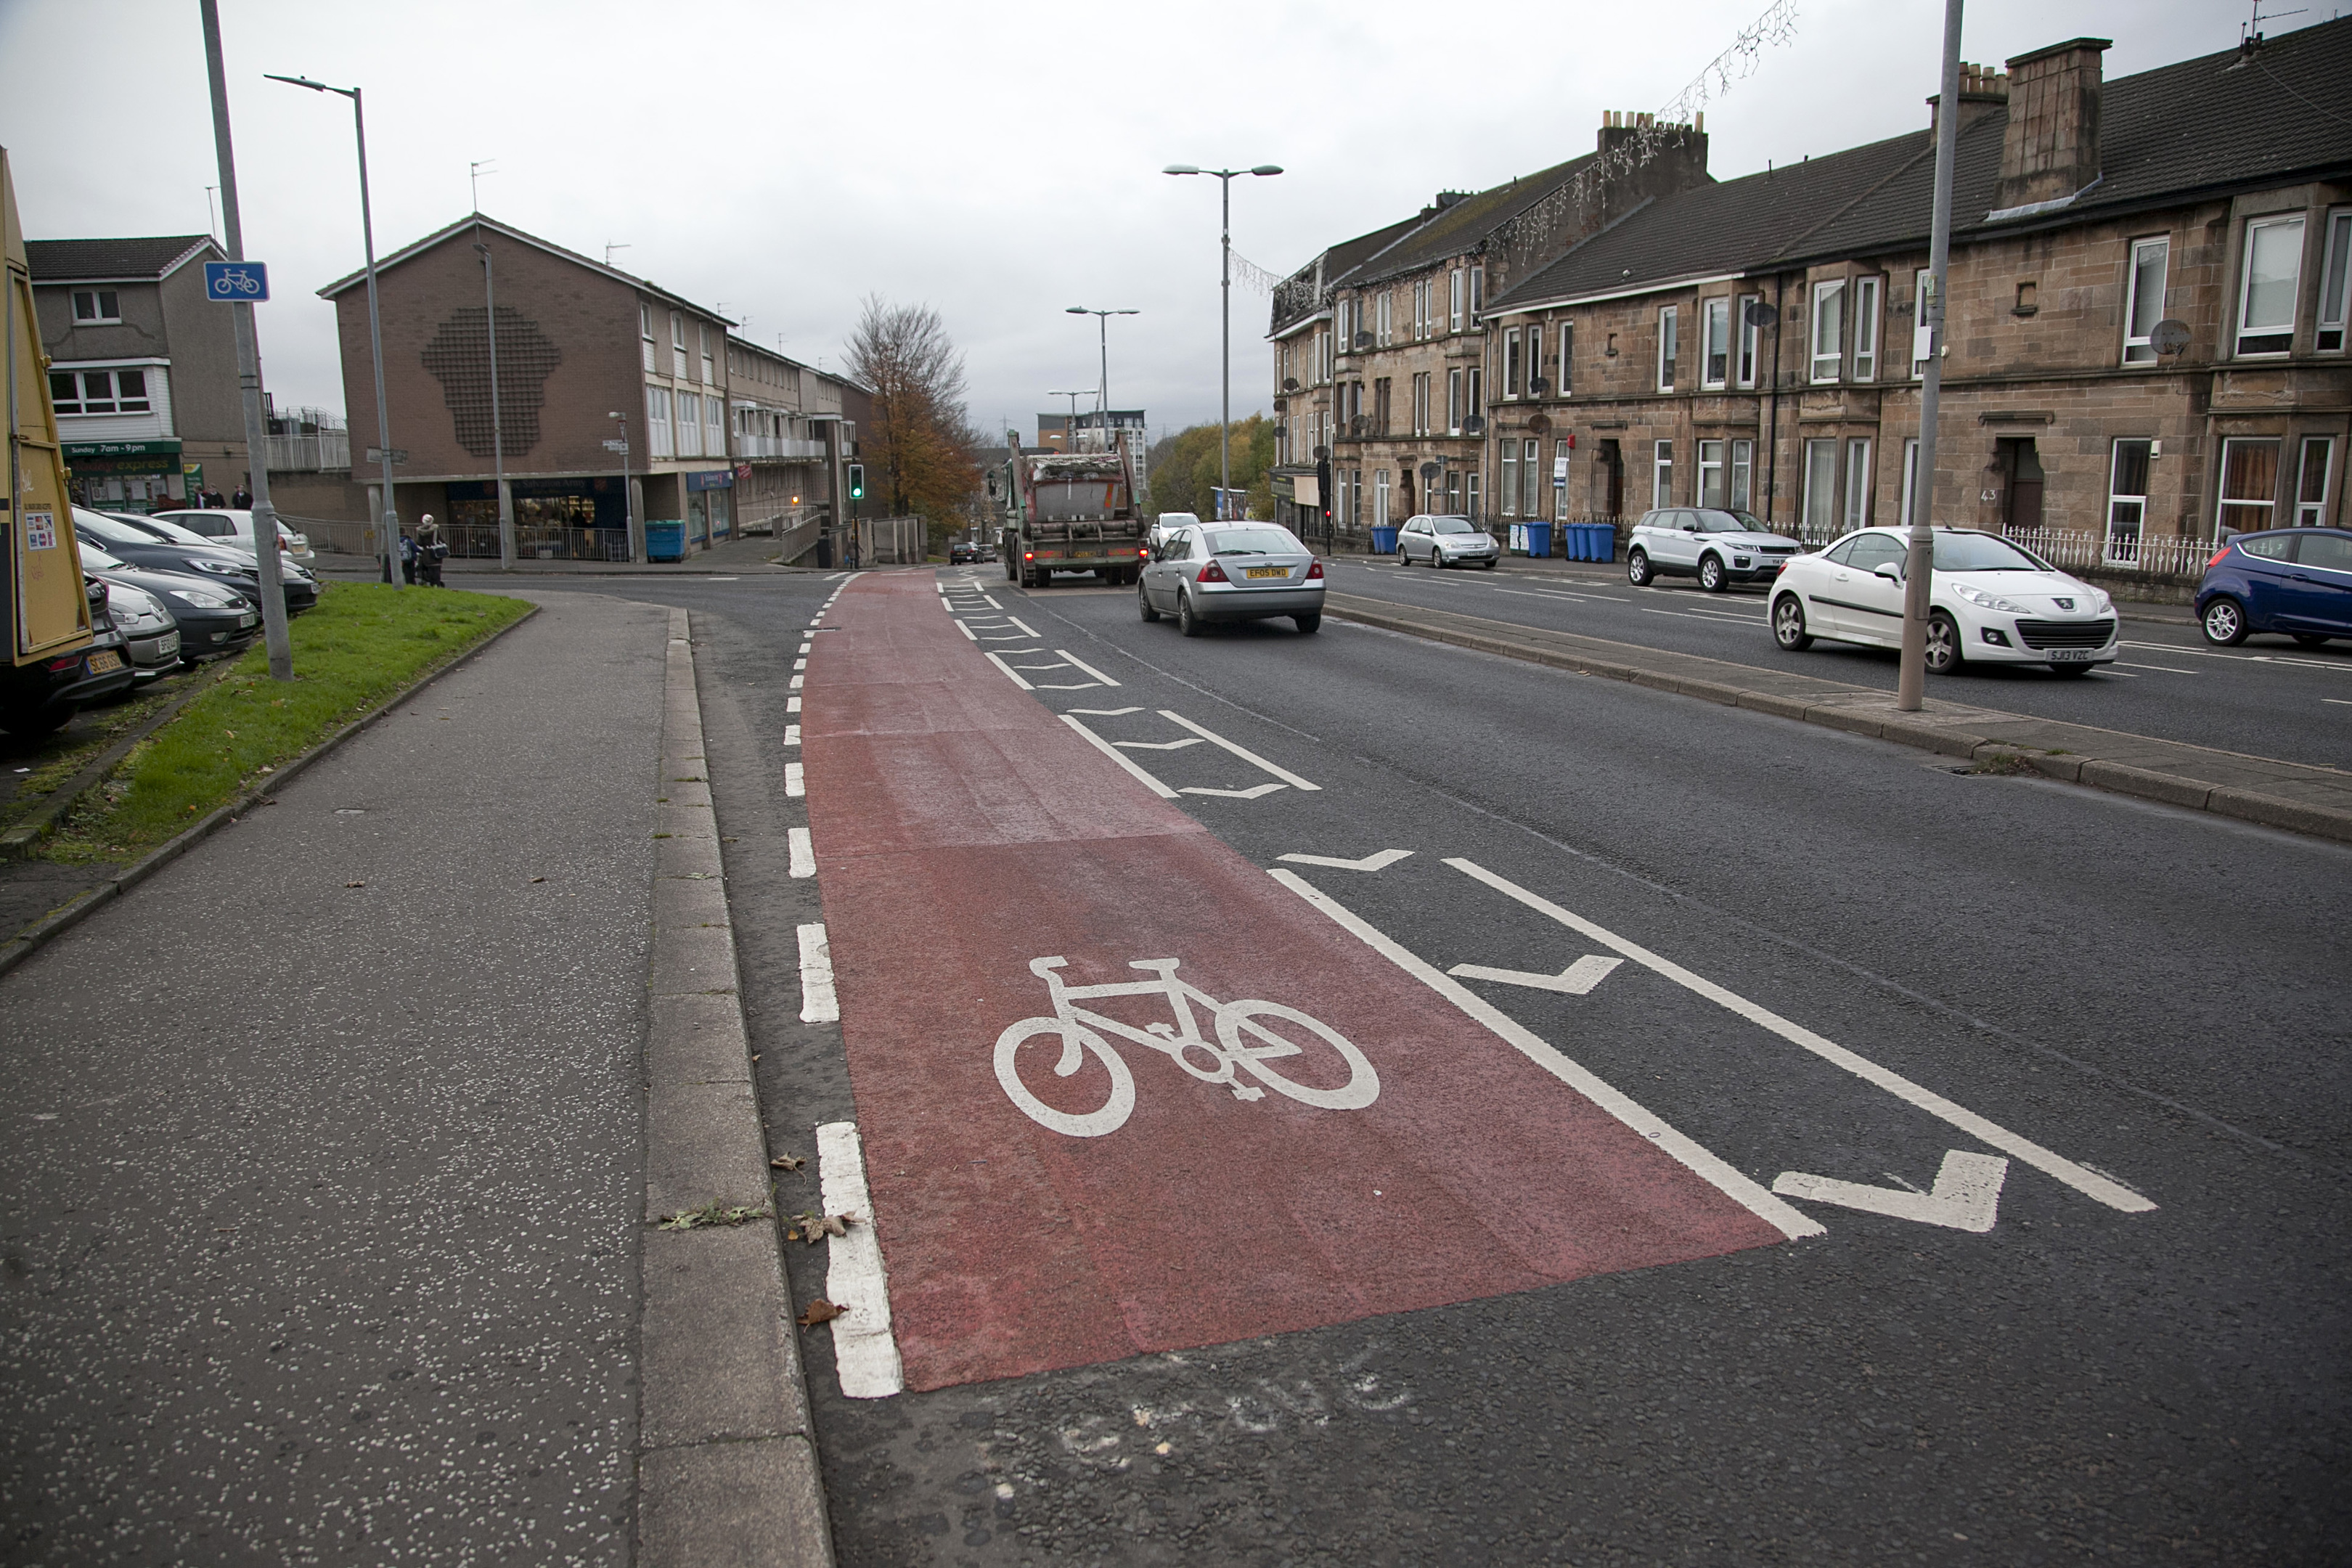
856,481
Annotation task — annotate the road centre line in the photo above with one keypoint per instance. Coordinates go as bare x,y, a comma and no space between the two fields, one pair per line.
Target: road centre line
1701,1161
1010,673
1555,594
819,1003
2090,1184
2287,659
2164,669
1122,758
1285,774
1705,615
803,850
1089,668
2339,701
864,1350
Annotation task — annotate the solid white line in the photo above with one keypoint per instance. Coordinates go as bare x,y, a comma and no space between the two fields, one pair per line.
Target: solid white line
819,1004
804,851
966,631
1379,861
1704,615
2339,702
865,1351
791,734
1010,673
1089,668
794,785
1549,594
2279,659
2164,668
1285,774
836,576
1707,1166
1122,758
2090,1184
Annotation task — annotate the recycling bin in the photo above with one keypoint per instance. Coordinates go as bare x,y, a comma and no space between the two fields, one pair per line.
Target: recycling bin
1384,540
665,541
1539,539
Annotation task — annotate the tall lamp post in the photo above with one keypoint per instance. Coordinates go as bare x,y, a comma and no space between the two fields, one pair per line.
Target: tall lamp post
1225,178
498,434
389,528
1102,406
1919,558
1073,397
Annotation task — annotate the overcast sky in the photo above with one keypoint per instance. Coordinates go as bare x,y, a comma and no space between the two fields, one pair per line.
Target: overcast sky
780,161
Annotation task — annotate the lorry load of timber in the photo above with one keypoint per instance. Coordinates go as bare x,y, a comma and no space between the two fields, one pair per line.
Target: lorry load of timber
1069,511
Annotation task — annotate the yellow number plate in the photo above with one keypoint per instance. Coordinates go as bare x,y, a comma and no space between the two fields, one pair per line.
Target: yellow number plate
100,663
1268,572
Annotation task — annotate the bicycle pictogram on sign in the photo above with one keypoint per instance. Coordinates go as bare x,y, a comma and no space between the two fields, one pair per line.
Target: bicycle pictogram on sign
1246,1041
231,281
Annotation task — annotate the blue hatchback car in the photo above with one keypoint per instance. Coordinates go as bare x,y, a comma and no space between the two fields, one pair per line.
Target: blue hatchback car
2293,580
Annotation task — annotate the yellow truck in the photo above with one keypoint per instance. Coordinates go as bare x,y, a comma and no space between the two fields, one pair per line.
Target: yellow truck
54,614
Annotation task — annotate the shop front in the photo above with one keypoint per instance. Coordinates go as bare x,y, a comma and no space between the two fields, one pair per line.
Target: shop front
127,476
710,507
582,517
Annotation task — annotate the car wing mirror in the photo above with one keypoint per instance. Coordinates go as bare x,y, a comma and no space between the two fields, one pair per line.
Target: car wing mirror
1891,571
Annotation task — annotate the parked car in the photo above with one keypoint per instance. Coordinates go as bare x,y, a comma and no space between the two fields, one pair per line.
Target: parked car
1988,601
236,569
150,635
1717,545
37,697
1231,571
212,617
2293,580
1445,541
234,525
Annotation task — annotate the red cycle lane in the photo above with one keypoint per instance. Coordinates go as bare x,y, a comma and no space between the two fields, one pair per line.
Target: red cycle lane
962,831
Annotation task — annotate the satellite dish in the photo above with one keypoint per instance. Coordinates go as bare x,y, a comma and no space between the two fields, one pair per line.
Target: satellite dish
1540,424
2168,337
1473,425
1430,470
1321,453
1363,340
1537,386
1289,384
1760,313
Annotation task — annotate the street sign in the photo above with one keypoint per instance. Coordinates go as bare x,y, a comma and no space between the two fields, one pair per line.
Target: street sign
232,282
375,454
1559,469
613,445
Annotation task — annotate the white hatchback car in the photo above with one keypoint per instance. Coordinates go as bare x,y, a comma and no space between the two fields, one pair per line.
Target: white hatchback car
1989,600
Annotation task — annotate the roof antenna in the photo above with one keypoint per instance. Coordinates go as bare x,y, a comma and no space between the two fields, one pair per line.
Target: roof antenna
611,245
474,172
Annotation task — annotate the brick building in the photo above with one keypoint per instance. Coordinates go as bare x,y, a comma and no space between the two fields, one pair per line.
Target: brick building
1752,342
721,431
142,368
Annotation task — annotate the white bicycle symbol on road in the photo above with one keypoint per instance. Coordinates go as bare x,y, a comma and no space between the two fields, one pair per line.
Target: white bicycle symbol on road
1245,1040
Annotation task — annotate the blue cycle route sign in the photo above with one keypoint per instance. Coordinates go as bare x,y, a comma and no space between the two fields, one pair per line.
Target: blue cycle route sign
230,282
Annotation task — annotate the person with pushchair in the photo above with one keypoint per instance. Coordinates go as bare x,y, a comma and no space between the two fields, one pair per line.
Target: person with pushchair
408,557
431,551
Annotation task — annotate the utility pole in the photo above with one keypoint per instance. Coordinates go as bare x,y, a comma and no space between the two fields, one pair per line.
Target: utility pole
249,371
1918,570
498,434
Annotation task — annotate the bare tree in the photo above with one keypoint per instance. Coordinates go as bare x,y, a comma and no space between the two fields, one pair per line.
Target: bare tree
921,443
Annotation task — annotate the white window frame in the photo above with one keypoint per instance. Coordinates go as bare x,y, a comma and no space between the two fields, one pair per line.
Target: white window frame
2334,312
112,402
1379,497
646,337
1828,360
1454,405
714,425
1477,295
2311,511
1381,313
1662,474
1560,454
677,344
1713,480
709,371
1923,283
658,441
1531,476
1459,280
1743,474
2137,349
1866,294
1471,493
1750,341
99,299
2123,550
1507,493
1910,478
688,407
1511,347
2248,522
1535,336
1714,344
1564,356
1820,503
2256,228
1858,482
1669,346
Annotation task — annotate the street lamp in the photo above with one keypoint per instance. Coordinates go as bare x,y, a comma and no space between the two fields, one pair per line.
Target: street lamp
1225,178
1102,408
390,520
498,436
1073,397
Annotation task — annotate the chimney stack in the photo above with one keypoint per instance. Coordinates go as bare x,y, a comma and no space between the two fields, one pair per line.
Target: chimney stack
1982,90
2051,147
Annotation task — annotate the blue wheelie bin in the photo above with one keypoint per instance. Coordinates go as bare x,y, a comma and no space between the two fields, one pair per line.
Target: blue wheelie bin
665,541
1538,541
1384,540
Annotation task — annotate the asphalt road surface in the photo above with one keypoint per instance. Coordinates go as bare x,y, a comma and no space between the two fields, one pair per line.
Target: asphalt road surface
1784,1149
2268,697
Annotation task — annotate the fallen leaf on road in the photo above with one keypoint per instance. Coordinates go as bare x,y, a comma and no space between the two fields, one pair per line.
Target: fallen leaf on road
788,1162
538,878
819,1311
354,884
712,1213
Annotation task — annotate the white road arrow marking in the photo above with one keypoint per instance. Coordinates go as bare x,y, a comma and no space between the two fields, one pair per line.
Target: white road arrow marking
1251,793
1161,745
1380,862
1576,980
1105,713
1967,1195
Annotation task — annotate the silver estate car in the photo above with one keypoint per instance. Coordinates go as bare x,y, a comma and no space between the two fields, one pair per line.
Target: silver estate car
1231,571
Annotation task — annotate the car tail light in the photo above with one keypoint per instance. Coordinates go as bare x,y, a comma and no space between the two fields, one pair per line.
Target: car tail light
2216,558
1213,572
59,666
1313,570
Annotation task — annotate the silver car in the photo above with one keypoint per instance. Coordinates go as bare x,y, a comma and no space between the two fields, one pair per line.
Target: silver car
1231,571
1445,541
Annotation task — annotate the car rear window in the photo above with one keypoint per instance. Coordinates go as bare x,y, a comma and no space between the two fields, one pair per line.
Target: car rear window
1254,542
2270,546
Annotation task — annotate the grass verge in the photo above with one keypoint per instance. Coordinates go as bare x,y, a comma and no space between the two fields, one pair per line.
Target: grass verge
363,643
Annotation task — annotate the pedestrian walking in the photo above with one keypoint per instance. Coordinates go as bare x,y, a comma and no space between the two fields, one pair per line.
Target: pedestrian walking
243,499
408,557
431,551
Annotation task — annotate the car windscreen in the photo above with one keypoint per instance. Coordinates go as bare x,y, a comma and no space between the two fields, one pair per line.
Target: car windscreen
1711,521
1965,550
173,533
93,559
1254,542
1452,525
107,530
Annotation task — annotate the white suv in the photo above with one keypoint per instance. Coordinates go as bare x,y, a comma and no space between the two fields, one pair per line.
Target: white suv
1717,546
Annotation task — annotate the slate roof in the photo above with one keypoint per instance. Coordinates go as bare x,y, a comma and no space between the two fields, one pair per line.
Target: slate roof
111,261
475,220
2172,134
